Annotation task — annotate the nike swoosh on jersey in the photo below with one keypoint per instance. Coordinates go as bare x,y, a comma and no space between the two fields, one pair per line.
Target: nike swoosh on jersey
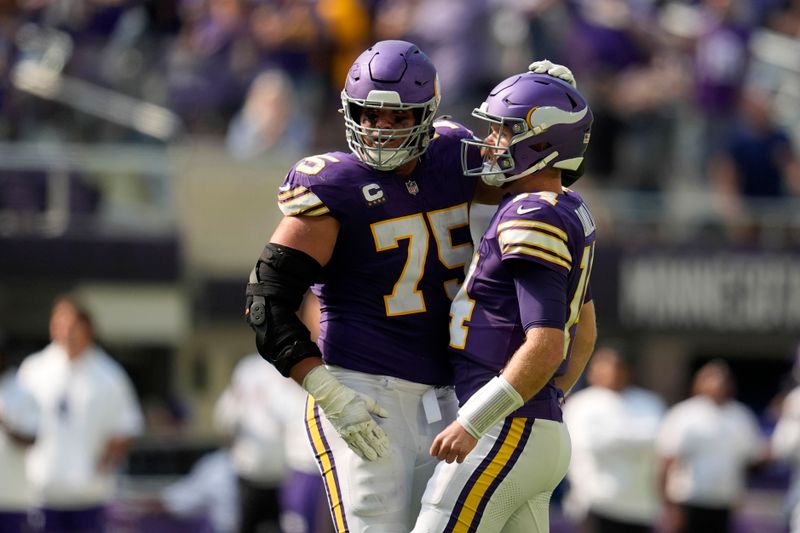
284,188
523,211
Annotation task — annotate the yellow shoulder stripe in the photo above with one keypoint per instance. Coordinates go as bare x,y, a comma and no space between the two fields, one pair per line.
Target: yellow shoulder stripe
307,203
537,239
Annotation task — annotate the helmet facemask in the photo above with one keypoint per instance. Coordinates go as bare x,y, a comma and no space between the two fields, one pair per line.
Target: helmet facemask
370,144
397,76
498,159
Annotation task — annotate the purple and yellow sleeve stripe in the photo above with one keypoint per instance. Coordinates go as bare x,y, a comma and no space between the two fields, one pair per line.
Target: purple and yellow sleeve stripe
327,466
488,476
537,239
300,201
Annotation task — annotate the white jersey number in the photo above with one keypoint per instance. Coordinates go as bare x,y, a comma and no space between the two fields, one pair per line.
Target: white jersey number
463,304
461,310
587,258
406,298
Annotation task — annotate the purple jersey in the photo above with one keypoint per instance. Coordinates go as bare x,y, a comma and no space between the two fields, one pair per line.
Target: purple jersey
399,257
556,231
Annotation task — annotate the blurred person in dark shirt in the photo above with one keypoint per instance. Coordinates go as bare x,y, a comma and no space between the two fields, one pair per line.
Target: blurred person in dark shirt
758,162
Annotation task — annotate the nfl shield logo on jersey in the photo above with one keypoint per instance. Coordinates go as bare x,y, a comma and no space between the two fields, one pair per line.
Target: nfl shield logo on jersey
412,186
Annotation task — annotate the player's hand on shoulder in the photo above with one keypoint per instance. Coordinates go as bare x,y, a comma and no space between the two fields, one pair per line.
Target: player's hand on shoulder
454,443
545,66
350,412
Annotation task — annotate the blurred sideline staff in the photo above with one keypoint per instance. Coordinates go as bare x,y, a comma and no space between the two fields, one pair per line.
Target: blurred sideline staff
613,426
706,445
90,416
786,446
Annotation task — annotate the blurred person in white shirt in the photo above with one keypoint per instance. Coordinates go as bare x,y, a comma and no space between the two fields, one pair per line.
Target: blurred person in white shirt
786,446
707,443
19,423
613,426
264,413
90,415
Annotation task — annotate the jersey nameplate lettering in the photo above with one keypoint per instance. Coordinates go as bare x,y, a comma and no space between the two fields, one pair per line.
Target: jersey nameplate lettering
586,219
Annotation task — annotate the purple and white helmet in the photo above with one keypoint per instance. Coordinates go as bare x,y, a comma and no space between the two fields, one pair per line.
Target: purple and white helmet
550,124
394,75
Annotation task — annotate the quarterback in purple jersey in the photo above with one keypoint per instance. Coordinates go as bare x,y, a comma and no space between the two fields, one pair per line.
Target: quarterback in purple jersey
382,235
522,325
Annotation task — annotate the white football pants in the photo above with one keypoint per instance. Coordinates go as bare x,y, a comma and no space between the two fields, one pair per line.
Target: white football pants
504,484
381,496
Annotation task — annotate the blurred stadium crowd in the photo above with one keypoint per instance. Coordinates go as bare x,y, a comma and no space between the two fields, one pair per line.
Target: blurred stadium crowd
690,96
141,143
696,96
666,77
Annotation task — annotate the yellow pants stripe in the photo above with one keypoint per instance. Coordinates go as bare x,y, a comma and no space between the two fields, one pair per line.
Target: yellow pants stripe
325,461
486,480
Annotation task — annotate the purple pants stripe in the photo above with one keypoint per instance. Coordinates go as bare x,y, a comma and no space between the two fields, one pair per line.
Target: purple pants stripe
302,494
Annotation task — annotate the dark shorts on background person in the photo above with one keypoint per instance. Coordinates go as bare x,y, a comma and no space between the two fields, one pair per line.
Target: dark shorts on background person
86,520
258,506
706,519
15,522
602,524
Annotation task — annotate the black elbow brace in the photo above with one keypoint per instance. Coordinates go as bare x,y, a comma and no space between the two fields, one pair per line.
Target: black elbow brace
277,285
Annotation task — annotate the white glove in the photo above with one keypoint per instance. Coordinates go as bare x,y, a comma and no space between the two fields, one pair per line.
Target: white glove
350,413
545,66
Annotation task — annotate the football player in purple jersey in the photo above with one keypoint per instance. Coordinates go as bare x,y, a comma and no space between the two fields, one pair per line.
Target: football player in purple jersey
381,234
523,324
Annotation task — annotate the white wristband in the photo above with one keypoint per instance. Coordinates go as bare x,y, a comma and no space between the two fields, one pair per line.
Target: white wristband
491,404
